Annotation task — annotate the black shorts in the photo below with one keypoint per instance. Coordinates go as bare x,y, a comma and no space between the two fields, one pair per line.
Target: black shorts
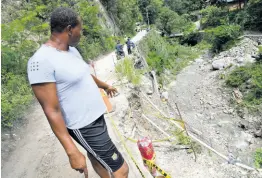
96,141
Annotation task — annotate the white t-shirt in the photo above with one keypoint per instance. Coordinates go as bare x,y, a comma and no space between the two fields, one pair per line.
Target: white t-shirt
80,99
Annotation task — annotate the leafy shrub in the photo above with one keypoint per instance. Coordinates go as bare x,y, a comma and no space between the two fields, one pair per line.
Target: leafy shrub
182,6
254,15
259,56
248,75
238,77
203,45
213,16
258,158
249,17
16,96
222,37
170,22
125,14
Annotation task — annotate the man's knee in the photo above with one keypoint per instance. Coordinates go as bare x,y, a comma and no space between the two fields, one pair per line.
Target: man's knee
126,169
122,172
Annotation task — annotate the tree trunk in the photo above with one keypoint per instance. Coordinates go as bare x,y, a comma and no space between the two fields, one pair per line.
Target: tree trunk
239,4
245,3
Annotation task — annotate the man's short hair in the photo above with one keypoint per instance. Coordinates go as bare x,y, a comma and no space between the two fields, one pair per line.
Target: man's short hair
62,17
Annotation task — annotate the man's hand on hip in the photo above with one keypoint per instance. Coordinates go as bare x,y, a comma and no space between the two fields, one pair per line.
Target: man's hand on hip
78,162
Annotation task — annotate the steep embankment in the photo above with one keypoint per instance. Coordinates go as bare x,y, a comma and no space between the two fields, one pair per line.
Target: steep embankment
206,105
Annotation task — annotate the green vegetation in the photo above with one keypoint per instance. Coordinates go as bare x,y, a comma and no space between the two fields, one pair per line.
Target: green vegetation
250,17
249,80
95,35
28,27
161,54
258,158
213,16
170,22
182,138
125,13
150,10
222,37
184,7
23,34
17,47
125,68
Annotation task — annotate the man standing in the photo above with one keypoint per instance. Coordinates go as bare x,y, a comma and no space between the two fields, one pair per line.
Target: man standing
119,49
71,100
129,44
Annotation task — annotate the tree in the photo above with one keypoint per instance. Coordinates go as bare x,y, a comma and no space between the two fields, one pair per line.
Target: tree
170,22
213,16
254,15
150,10
182,6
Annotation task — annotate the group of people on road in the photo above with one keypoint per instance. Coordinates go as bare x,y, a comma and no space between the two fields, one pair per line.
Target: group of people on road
120,50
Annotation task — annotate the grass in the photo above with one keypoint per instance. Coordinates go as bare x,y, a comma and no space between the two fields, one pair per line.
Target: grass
184,139
258,158
203,45
162,54
125,68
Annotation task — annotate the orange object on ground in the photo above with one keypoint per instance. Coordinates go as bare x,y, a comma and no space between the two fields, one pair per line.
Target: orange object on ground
106,100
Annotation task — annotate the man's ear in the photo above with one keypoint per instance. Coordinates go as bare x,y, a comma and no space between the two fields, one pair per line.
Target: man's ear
69,30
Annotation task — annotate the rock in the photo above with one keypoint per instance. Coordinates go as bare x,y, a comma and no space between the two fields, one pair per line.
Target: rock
258,133
225,111
211,116
222,63
240,60
164,95
218,65
149,92
242,141
230,111
237,95
249,59
243,124
246,136
199,60
147,85
241,144
219,124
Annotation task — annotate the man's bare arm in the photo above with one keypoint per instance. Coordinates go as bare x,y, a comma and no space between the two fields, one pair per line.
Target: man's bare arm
100,83
47,97
111,91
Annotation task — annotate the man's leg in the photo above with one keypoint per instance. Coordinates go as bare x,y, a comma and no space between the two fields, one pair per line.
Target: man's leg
105,156
129,50
100,170
122,172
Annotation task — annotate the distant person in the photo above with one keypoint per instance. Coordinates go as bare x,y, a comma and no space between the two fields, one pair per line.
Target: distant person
119,49
129,44
71,100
